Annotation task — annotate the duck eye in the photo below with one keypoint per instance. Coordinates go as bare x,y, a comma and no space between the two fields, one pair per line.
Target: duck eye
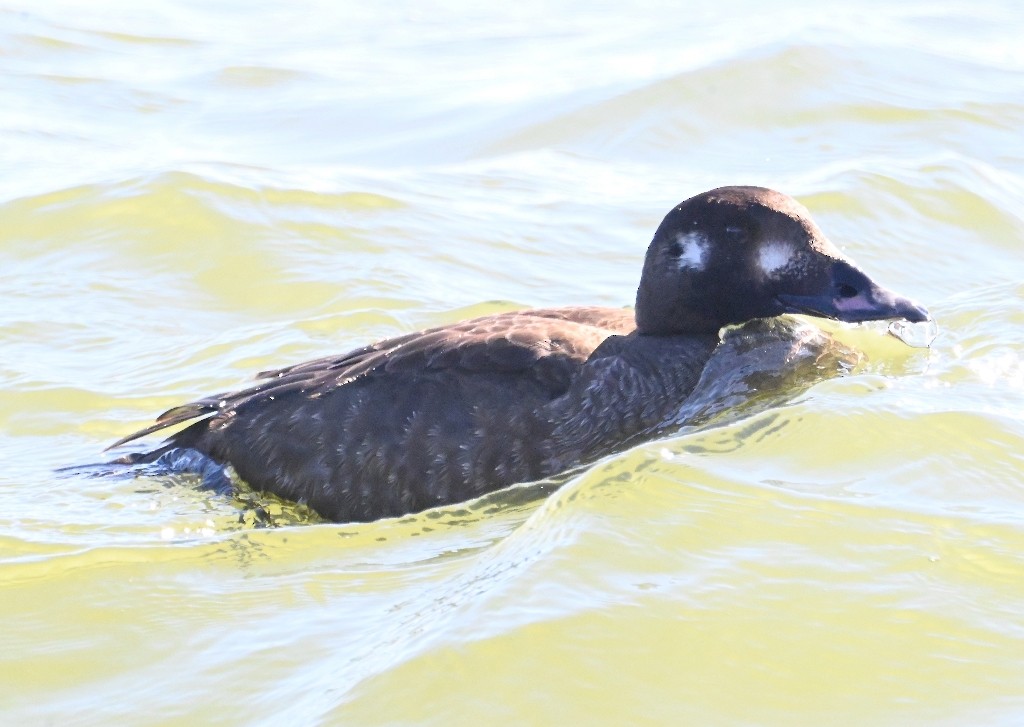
847,291
735,233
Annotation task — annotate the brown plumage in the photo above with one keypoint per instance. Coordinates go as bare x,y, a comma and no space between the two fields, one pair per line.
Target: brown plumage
449,413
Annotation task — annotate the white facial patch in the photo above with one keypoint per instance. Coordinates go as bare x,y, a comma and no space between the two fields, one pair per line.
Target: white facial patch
693,250
774,257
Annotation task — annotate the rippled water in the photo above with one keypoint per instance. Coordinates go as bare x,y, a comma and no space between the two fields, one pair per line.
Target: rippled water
197,191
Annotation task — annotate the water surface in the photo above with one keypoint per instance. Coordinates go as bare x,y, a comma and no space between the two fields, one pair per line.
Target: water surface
198,191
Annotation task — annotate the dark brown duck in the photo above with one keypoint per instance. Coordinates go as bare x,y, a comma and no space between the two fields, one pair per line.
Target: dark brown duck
449,413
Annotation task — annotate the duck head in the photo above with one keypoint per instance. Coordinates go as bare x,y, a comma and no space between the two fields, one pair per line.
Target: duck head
739,253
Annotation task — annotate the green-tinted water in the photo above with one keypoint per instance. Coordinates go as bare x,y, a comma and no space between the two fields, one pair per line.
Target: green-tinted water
197,191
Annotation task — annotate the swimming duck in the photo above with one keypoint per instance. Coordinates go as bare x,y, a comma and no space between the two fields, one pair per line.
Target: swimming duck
449,413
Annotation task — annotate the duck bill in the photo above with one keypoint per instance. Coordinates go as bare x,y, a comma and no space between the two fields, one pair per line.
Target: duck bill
852,296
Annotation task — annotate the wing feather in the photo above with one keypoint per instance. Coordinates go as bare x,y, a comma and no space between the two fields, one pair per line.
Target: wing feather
547,345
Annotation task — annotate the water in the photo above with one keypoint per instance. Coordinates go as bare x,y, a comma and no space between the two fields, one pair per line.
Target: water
198,191
917,335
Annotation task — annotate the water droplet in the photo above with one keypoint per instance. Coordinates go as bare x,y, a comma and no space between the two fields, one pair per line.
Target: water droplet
915,335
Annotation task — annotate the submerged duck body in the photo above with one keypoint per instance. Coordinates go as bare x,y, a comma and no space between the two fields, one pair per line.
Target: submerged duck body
447,414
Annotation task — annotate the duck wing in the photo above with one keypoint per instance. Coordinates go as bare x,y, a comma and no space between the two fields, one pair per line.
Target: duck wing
546,346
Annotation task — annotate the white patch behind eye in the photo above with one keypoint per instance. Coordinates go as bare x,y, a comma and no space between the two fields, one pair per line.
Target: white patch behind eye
774,256
694,250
